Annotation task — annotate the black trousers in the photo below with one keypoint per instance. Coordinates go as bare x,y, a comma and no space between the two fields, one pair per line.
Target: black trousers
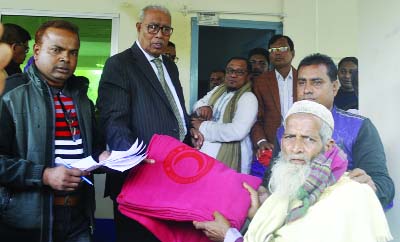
128,230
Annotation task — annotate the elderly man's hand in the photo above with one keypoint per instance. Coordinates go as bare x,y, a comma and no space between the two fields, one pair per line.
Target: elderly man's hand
361,176
255,201
214,230
263,194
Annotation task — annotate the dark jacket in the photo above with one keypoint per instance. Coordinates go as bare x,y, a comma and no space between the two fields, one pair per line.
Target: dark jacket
133,105
27,130
269,116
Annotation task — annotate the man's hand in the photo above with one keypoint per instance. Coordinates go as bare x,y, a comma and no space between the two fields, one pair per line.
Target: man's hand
255,201
263,194
204,112
197,138
104,155
264,145
214,230
196,123
361,176
63,179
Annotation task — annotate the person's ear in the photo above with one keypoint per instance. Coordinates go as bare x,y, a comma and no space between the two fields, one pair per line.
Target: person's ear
336,86
13,47
138,26
36,49
329,145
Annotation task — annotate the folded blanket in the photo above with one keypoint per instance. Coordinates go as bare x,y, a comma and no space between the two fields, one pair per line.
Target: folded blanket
182,186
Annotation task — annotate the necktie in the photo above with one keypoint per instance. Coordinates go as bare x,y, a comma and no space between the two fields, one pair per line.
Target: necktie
170,97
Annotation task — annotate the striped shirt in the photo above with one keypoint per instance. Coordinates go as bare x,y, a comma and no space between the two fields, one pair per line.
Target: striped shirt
67,146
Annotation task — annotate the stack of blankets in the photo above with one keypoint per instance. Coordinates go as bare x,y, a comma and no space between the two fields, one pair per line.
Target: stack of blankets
182,186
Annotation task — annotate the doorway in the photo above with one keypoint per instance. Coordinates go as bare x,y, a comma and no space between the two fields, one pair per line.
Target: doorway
212,46
96,33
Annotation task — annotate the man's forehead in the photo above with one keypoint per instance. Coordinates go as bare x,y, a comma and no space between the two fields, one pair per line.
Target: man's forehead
57,37
348,65
306,123
237,63
313,70
217,73
281,42
257,57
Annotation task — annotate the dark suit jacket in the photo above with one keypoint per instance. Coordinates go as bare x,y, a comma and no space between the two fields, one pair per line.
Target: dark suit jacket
269,117
132,104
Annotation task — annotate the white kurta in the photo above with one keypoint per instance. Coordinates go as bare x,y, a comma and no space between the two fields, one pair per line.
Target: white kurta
216,132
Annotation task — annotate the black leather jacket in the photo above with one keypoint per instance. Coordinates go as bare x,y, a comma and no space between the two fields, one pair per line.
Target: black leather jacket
27,129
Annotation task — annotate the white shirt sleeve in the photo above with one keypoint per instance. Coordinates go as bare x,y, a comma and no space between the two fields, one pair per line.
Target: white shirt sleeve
204,100
232,235
242,122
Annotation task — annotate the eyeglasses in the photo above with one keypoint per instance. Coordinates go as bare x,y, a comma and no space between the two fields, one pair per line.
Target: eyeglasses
174,58
26,47
261,63
279,49
154,28
230,71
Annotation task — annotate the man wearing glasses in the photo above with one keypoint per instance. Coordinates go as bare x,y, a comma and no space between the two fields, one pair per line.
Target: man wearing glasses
275,91
226,115
17,37
140,95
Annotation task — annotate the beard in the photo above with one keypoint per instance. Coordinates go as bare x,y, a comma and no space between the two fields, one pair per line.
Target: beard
287,178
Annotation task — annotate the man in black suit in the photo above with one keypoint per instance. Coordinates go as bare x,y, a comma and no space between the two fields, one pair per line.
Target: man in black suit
140,95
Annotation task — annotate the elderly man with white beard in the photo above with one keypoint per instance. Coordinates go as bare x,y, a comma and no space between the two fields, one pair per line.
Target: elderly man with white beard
312,199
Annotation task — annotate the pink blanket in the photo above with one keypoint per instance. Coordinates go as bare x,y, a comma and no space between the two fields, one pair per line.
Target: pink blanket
182,186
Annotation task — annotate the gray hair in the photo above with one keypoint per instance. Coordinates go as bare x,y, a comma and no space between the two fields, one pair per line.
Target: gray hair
153,7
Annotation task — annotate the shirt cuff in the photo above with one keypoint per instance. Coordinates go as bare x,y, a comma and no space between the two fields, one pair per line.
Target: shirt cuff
261,140
232,235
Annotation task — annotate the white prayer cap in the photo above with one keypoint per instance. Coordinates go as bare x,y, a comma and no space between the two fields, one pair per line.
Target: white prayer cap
319,110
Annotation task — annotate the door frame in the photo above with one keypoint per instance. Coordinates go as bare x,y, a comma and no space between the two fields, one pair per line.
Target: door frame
114,17
227,23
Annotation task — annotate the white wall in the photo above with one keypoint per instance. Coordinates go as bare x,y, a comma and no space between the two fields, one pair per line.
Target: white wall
379,44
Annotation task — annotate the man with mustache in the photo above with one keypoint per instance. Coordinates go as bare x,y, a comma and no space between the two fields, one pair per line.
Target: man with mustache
259,60
226,115
140,95
355,135
312,199
48,115
275,91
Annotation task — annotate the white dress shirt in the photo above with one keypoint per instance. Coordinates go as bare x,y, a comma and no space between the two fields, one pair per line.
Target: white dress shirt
167,79
216,132
285,86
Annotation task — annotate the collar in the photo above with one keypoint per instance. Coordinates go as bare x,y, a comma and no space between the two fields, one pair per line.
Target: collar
280,77
147,55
